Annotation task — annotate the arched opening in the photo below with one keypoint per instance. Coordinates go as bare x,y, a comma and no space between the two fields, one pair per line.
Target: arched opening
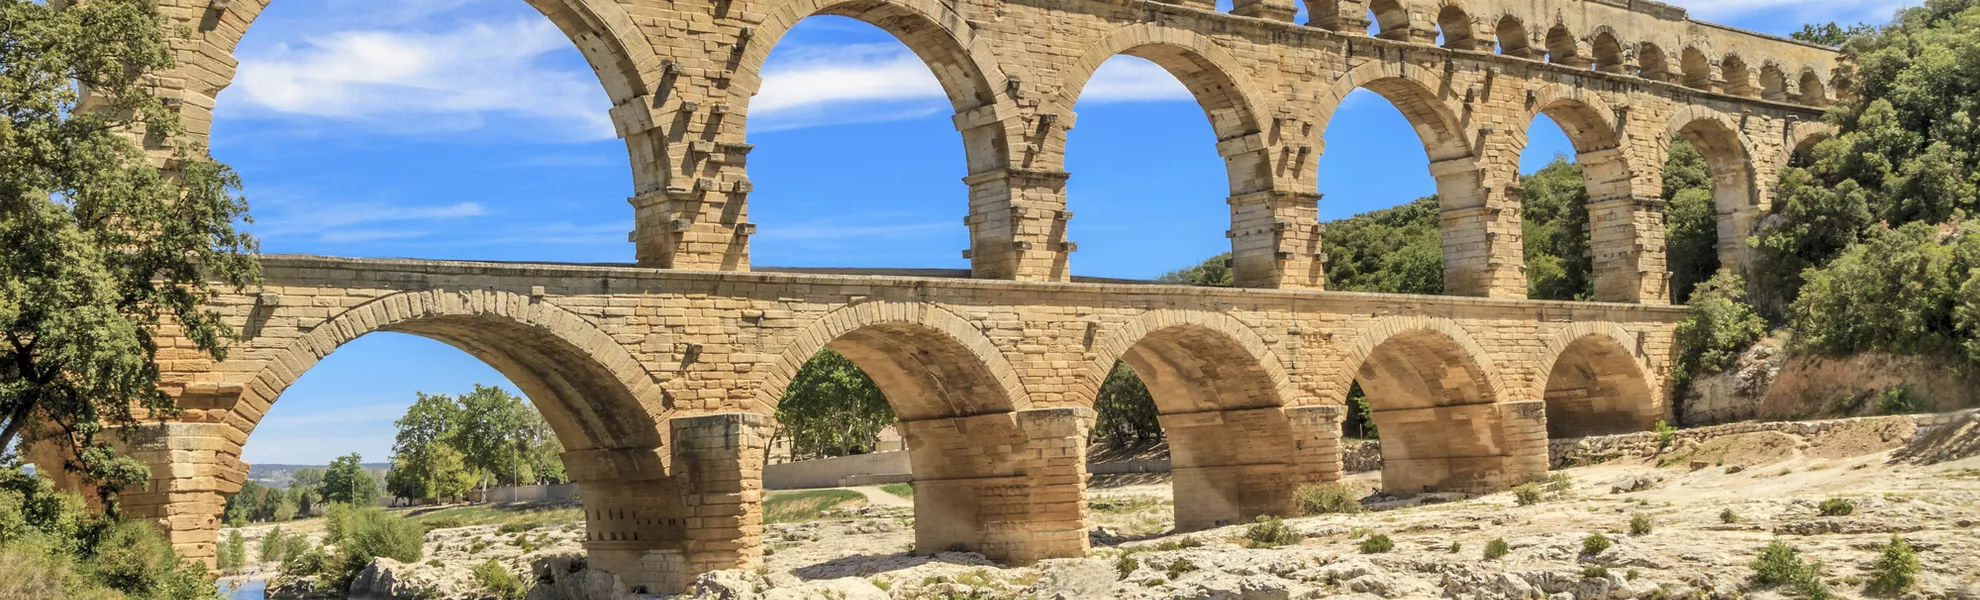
1608,53
1697,70
1581,231
590,392
1219,408
1773,83
1387,19
1169,210
1454,26
1596,387
1813,93
1561,48
1724,156
1739,80
1434,405
1385,235
1513,40
1652,64
838,88
986,471
444,157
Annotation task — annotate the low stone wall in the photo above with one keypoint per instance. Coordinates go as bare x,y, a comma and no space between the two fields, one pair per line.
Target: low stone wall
830,472
1570,452
531,493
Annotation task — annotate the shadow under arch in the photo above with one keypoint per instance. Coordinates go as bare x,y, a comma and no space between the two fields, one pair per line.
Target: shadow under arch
1596,385
1220,392
988,471
1437,405
1213,77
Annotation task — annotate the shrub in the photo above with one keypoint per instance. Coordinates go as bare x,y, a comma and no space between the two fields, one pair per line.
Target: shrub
1594,572
1176,569
372,533
1836,507
1270,532
1639,524
1325,499
1780,563
1728,516
1595,543
517,527
1718,325
1456,547
1497,549
498,581
1126,565
336,517
273,544
1526,494
1376,544
1896,570
1559,483
1897,401
231,552
1666,435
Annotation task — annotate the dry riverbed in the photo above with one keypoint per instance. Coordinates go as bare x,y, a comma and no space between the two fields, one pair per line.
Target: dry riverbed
1710,509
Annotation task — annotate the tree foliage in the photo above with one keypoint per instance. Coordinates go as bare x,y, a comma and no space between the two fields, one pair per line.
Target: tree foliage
1718,325
1214,271
1904,290
103,249
51,546
1691,220
1395,250
446,445
1555,233
831,408
347,482
1126,412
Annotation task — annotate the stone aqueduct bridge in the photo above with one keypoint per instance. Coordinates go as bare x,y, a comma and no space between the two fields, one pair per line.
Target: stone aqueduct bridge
659,377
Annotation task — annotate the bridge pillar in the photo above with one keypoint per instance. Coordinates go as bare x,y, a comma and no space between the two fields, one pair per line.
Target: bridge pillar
1229,466
194,468
1626,240
1472,448
658,517
1009,485
1277,10
1481,230
1017,225
1275,240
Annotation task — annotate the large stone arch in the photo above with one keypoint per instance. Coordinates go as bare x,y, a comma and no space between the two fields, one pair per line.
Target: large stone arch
987,470
593,392
911,350
1735,192
1211,74
1596,381
1220,392
1421,95
1438,405
1600,147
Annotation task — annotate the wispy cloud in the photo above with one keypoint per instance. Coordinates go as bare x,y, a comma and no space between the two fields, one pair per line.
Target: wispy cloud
346,222
1796,10
425,82
820,85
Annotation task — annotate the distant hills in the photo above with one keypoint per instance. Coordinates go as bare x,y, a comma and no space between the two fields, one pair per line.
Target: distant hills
280,476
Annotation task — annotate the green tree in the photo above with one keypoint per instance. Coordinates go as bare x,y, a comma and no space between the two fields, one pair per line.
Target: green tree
347,482
1718,325
1394,250
544,451
831,408
103,249
1214,271
1126,412
53,537
435,474
1691,220
489,430
1555,233
1898,291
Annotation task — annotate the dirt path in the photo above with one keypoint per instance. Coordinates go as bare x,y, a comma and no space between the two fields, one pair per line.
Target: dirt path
879,497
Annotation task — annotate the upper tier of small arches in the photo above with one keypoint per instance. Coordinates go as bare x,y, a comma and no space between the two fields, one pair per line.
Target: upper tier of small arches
1650,40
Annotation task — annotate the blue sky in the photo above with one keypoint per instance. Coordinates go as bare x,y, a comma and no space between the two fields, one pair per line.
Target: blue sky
472,129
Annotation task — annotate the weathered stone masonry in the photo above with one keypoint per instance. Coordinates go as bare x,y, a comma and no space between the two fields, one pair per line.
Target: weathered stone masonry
659,383
659,378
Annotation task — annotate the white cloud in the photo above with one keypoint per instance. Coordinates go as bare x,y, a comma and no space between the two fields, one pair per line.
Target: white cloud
401,81
356,221
1131,79
1796,10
